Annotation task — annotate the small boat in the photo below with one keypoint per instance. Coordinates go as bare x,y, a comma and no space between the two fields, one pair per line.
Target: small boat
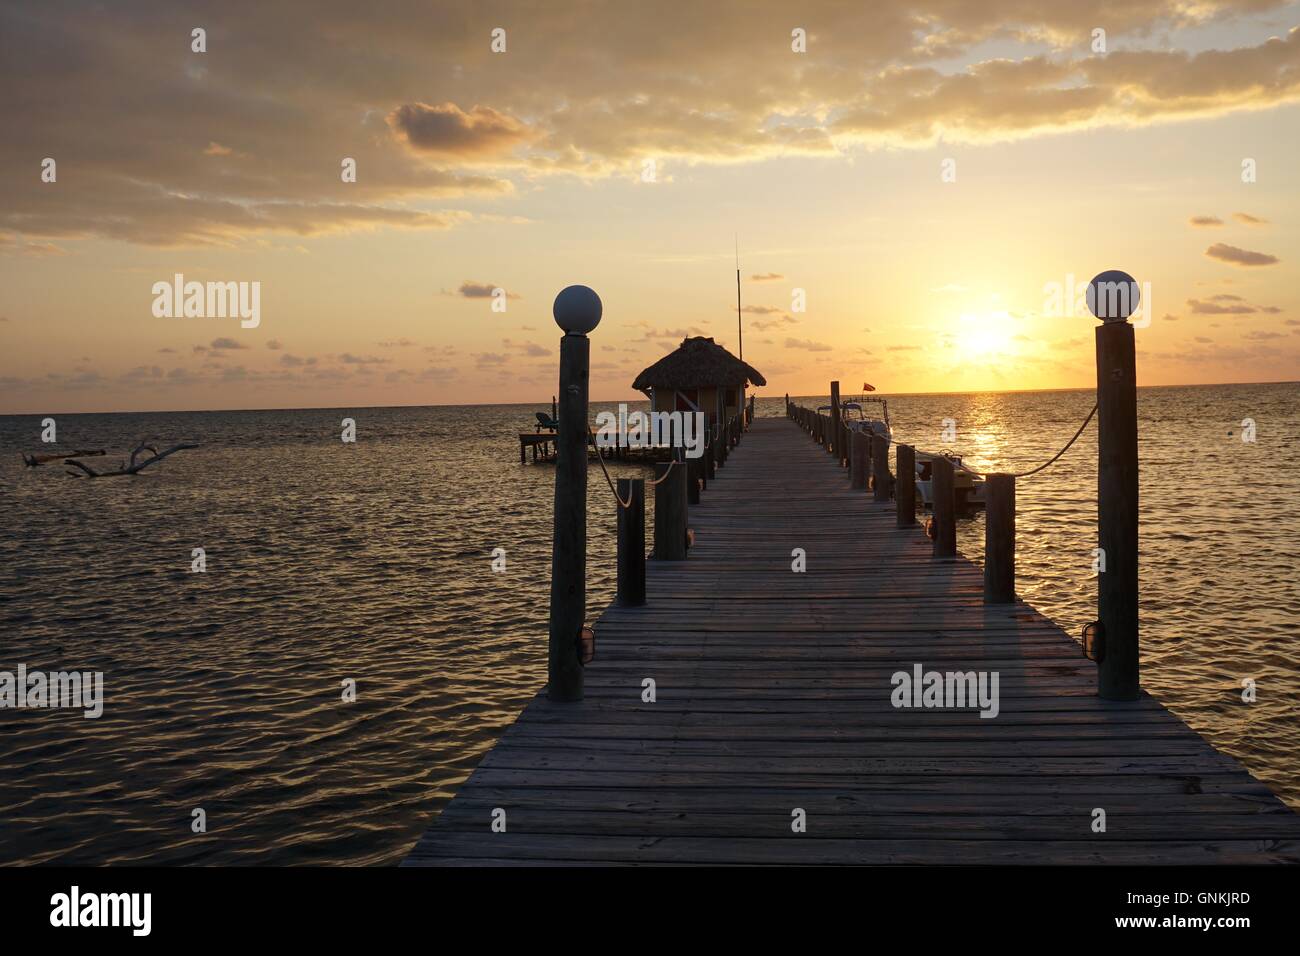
856,419
968,487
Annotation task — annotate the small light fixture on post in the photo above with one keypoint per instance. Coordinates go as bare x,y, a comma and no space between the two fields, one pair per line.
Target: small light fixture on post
1094,641
586,645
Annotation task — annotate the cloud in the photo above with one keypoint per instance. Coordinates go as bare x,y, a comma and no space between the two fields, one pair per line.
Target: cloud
274,345
1227,304
1239,257
1248,219
684,333
807,344
583,96
1205,221
448,131
481,290
396,344
226,343
527,349
767,277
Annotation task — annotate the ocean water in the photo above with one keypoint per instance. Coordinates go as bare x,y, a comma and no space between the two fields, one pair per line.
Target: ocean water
370,564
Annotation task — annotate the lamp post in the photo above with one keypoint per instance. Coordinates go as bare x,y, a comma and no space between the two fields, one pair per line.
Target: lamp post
1112,297
577,311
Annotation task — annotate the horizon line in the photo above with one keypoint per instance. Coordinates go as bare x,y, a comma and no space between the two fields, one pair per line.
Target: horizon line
612,401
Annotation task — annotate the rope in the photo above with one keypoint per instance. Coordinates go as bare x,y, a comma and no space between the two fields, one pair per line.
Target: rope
601,458
671,465
1034,471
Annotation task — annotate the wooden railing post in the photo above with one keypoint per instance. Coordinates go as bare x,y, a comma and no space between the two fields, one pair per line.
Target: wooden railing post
631,542
834,444
905,496
692,481
710,450
577,311
945,507
858,471
880,476
670,512
720,444
999,539
1117,506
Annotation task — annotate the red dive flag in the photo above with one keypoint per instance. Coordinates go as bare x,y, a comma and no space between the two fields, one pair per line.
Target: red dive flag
868,388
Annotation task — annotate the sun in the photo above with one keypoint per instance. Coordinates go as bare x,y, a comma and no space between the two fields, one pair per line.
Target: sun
985,335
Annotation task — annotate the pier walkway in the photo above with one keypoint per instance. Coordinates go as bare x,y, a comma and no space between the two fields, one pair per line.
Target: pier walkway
773,696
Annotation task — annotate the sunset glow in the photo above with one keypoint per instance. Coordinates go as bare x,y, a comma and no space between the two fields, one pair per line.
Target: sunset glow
902,193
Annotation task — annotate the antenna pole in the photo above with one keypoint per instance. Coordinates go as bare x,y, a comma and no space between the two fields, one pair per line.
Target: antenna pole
740,329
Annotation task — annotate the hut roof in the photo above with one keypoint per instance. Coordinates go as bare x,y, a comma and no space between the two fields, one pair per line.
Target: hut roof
698,362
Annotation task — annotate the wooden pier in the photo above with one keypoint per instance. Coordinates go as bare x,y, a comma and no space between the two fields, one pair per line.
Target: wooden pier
772,703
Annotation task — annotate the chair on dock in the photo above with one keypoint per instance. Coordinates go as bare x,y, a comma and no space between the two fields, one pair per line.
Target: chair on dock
547,422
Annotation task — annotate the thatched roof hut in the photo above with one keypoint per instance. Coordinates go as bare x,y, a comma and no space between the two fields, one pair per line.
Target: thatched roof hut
698,362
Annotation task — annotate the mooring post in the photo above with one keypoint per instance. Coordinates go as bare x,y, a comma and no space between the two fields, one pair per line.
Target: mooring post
858,471
880,477
905,496
722,427
945,507
710,450
1117,487
999,539
631,542
833,445
692,481
670,511
577,311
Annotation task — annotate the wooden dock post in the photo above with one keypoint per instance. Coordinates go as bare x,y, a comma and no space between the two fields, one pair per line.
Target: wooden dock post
1117,491
905,496
880,476
670,511
721,448
945,507
710,451
631,543
833,445
1000,539
858,471
577,311
692,481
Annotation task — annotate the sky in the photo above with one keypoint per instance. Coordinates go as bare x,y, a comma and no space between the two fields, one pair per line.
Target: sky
914,188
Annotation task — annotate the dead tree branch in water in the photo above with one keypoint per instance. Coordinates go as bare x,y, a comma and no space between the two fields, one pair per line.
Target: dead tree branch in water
133,468
32,461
